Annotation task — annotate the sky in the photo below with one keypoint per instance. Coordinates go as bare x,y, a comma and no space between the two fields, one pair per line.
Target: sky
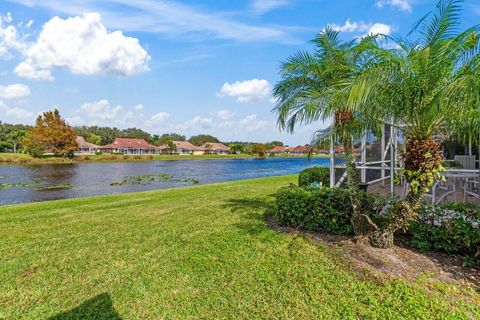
203,66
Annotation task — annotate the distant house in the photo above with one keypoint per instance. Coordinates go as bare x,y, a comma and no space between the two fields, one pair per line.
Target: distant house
214,148
165,149
131,146
186,148
85,147
278,150
339,149
301,149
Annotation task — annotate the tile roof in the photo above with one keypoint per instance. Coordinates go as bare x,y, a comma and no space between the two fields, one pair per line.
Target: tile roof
185,145
214,146
81,143
301,149
124,143
277,149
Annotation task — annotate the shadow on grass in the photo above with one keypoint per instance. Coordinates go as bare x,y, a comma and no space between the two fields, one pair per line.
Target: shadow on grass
252,212
99,307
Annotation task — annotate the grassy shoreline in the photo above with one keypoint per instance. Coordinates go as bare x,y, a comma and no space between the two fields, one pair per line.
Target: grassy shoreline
18,158
193,252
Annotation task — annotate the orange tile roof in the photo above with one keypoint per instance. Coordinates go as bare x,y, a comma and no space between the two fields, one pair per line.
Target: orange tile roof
277,149
214,146
127,143
81,143
185,145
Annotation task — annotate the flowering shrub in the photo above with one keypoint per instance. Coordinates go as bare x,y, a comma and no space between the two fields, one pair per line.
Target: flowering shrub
452,228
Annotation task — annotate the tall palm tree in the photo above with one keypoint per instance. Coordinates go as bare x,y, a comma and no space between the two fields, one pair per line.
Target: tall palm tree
426,86
314,87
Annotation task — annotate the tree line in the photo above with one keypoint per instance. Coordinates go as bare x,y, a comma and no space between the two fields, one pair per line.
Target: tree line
52,134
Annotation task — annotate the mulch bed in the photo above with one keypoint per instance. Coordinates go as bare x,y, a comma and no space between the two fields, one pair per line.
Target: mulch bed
398,262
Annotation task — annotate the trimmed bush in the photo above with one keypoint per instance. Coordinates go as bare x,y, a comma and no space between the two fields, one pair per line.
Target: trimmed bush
314,175
450,228
324,209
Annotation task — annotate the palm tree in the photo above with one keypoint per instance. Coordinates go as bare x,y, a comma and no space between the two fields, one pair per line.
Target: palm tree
314,87
425,86
16,136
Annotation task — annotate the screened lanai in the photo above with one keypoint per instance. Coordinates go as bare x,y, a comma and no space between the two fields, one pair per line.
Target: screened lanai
378,158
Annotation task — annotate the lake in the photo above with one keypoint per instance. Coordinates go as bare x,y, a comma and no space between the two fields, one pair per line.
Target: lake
28,183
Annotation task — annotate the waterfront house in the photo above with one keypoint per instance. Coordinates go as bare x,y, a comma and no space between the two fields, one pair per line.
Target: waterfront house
214,148
278,150
85,147
131,146
186,148
301,149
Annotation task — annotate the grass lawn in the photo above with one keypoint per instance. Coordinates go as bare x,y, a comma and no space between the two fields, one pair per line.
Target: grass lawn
18,158
195,252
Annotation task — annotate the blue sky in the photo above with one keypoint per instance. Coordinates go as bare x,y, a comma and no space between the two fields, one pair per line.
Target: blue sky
169,65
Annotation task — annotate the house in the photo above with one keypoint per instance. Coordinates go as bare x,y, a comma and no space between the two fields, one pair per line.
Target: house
301,149
278,150
131,146
186,148
85,147
339,149
214,148
164,149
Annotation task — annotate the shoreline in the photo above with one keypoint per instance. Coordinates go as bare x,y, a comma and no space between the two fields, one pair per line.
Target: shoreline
175,252
25,159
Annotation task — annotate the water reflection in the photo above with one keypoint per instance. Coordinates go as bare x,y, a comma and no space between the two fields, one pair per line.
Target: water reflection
88,179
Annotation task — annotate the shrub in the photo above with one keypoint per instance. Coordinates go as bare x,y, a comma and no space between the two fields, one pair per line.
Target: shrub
313,175
451,228
324,209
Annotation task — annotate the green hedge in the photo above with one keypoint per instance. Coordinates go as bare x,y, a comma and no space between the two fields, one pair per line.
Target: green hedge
325,209
451,228
319,175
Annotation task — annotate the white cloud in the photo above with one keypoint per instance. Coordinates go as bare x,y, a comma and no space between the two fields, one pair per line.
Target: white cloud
139,107
361,26
379,28
262,6
251,123
9,37
16,112
27,70
101,110
225,114
12,91
167,18
247,91
75,121
197,123
404,5
158,118
82,45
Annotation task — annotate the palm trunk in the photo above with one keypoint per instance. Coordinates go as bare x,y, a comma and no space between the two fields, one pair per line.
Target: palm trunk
422,157
362,224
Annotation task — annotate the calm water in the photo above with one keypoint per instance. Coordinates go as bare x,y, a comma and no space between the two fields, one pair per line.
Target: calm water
89,179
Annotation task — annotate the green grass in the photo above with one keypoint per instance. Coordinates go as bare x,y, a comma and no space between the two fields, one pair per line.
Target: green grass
195,252
18,158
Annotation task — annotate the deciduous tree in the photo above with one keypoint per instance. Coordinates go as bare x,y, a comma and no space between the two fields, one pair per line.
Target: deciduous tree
51,134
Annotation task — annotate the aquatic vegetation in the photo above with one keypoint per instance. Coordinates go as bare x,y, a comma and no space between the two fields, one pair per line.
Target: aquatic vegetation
54,187
8,185
149,178
35,185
